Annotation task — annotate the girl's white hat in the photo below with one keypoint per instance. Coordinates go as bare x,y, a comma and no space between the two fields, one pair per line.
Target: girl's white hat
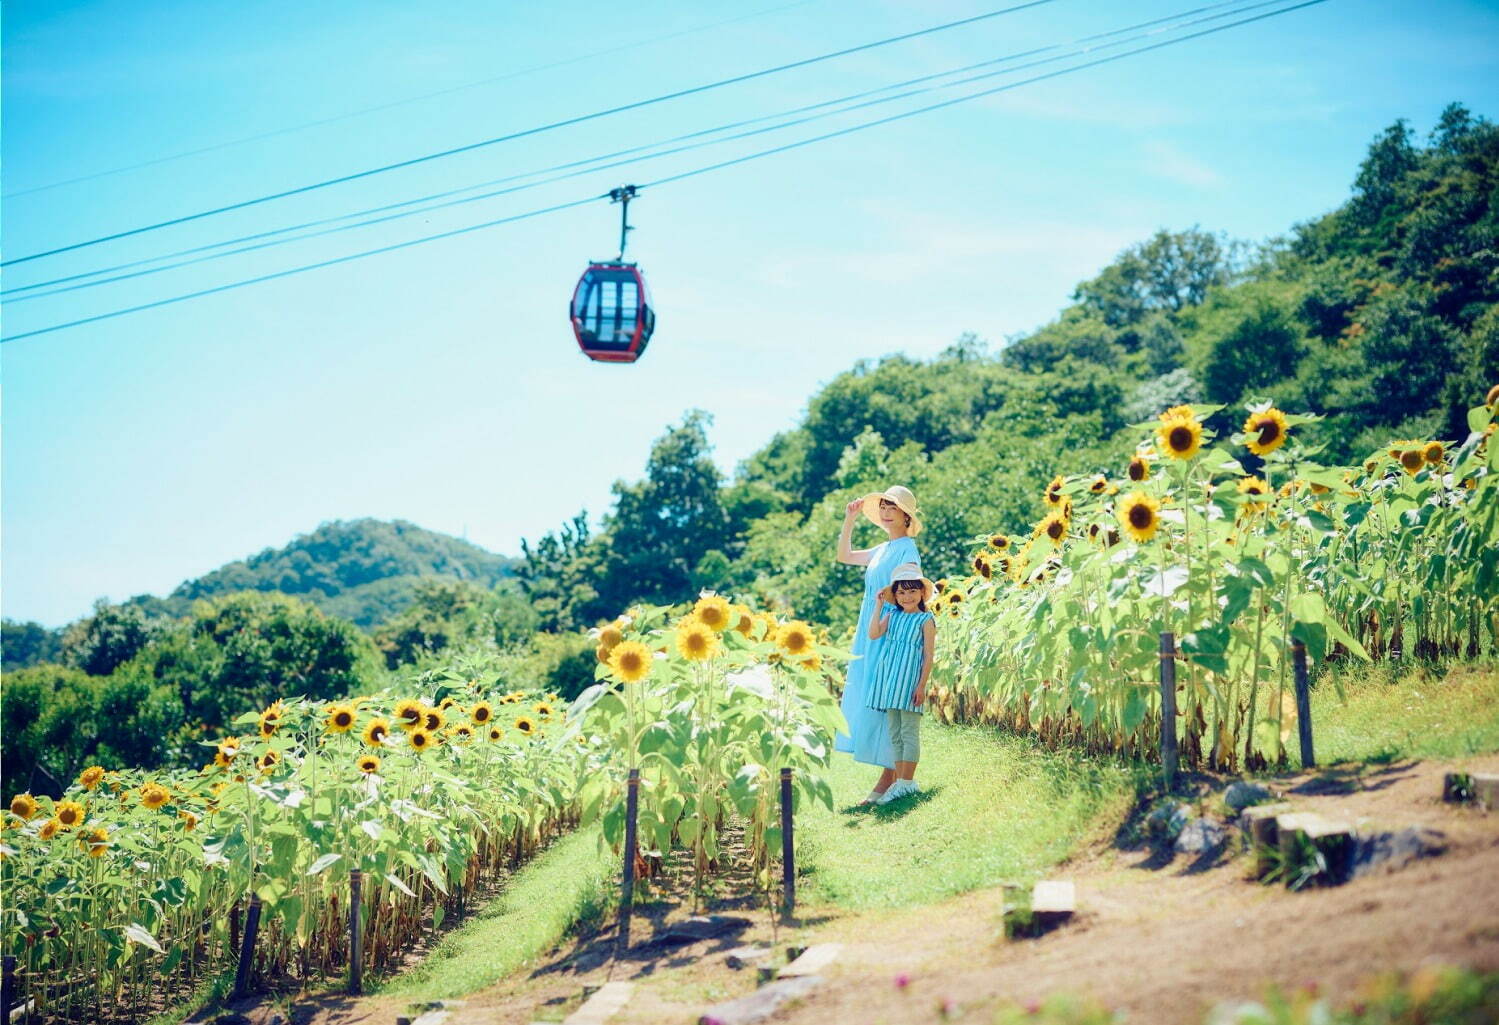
904,501
911,571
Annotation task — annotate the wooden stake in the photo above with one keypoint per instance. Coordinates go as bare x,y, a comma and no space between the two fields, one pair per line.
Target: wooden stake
247,949
8,988
1303,704
1168,707
627,882
356,934
788,848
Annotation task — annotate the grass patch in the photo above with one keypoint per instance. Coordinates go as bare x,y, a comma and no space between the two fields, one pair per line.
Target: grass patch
566,886
994,807
1389,713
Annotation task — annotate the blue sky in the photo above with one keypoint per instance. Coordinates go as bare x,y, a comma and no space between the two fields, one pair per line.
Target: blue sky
440,384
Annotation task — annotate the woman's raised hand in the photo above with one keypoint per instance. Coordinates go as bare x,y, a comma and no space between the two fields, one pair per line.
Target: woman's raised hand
853,508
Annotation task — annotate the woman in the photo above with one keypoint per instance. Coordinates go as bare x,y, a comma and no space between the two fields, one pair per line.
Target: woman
894,512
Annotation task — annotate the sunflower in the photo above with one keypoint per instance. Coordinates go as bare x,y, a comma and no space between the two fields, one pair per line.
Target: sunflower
446,704
1002,566
742,620
795,638
462,733
189,820
525,725
1433,452
267,761
999,542
420,739
153,796
1054,528
955,598
1139,469
1255,488
23,806
696,641
1266,430
1100,485
630,661
610,635
1176,413
49,829
340,718
432,720
1319,489
1180,437
544,710
712,610
271,718
368,764
1492,398
69,813
409,713
982,566
1139,514
1411,460
1054,491
95,841
495,733
376,732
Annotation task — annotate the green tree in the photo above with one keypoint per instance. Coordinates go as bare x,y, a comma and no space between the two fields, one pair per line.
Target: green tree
27,643
112,636
1168,272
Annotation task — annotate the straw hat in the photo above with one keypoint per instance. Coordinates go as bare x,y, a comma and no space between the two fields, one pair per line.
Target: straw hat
911,571
903,500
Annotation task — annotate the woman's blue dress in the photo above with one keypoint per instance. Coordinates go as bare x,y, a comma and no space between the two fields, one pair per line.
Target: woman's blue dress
867,738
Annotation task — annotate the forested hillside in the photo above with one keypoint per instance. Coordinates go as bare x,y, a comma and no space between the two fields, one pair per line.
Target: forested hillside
1379,315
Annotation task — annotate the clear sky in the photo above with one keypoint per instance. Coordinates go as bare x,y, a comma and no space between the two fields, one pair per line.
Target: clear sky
440,384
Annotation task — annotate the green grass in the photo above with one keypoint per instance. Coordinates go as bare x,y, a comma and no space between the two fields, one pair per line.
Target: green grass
1398,712
565,885
995,807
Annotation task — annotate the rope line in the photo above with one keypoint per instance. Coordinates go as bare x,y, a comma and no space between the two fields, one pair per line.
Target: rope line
665,180
524,133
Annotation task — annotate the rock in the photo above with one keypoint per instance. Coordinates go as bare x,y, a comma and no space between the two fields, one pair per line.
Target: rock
702,927
1201,836
760,1004
1242,794
1394,850
1168,819
747,957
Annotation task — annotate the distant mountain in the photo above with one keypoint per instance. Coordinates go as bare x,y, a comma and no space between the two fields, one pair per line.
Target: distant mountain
362,570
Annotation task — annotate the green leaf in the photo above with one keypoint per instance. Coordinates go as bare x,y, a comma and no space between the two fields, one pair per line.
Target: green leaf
136,933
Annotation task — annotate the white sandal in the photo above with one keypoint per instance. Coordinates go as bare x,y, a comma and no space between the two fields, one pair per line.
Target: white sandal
874,798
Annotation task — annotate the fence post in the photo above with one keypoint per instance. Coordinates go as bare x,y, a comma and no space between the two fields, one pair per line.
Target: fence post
1168,706
247,949
1303,704
356,934
788,847
627,881
8,988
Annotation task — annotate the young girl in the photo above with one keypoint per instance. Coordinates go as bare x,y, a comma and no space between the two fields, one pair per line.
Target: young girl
898,679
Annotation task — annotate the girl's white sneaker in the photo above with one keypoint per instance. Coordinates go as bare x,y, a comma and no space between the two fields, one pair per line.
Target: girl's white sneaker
897,790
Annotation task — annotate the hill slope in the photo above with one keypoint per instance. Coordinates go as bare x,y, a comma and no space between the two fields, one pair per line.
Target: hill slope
362,570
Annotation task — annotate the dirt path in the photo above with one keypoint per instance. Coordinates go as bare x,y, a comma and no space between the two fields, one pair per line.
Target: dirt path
1162,938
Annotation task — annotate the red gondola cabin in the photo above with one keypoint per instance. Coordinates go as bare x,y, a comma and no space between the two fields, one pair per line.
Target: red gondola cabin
611,313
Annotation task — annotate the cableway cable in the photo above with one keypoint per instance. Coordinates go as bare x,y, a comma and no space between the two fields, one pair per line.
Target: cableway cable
579,119
351,114
665,180
74,282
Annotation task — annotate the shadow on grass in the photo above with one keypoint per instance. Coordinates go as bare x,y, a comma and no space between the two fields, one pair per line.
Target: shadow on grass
859,813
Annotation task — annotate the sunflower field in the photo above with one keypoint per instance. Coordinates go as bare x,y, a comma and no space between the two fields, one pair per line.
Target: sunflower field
133,887
710,708
1240,545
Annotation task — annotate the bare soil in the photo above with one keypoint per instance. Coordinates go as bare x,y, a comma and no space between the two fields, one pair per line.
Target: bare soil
1161,937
